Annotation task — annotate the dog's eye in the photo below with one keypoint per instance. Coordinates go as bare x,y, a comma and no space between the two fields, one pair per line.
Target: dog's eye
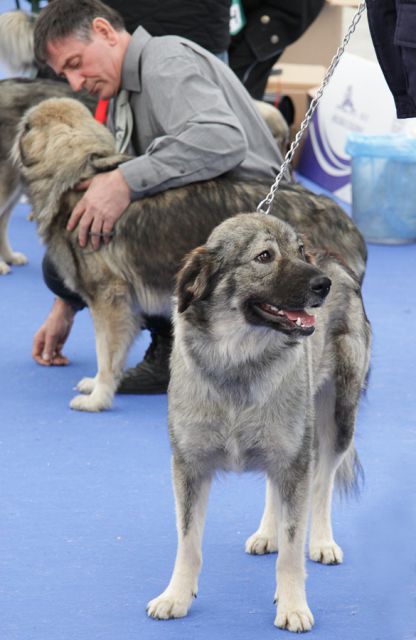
302,251
264,256
28,127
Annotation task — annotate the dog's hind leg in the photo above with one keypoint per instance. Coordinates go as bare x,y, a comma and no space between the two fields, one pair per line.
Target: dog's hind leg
264,540
115,326
7,255
293,612
191,496
336,409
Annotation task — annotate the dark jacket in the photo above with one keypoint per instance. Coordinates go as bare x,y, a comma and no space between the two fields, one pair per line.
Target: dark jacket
270,27
205,22
275,24
393,32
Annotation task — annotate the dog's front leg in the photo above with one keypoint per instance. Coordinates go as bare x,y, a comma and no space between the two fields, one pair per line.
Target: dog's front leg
7,255
191,496
265,540
115,329
293,612
322,546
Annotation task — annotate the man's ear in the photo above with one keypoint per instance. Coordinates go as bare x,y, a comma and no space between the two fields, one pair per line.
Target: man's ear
195,280
104,28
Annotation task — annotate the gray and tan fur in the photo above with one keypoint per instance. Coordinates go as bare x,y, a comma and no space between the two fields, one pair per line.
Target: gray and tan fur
58,144
16,41
258,385
17,95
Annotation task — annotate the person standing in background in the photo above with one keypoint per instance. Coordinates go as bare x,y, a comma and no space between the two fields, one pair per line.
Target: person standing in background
260,33
393,32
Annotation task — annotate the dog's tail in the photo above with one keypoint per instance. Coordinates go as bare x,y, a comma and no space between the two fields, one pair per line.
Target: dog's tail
349,478
16,41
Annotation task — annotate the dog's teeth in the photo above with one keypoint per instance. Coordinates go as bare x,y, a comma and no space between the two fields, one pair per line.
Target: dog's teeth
280,313
298,322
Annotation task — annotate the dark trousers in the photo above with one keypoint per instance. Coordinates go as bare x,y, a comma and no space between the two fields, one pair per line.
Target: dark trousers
393,31
54,282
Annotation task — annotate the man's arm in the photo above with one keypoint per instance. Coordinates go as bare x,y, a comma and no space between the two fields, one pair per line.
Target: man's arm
52,335
201,136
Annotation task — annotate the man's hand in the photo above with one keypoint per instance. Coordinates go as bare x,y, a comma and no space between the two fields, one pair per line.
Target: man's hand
107,196
52,335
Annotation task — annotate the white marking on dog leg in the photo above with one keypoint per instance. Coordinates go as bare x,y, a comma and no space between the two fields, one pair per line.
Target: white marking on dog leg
115,327
265,539
176,599
86,385
6,252
97,401
293,612
17,258
322,546
4,268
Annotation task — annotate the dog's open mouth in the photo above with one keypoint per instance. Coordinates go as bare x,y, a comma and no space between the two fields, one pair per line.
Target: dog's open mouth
289,321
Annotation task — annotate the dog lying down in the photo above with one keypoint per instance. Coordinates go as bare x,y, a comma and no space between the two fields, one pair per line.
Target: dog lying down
264,379
58,144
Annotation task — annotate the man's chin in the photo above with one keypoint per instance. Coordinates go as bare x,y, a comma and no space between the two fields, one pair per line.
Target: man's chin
104,94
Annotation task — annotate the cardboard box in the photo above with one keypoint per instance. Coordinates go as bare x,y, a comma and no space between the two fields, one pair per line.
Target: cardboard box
296,82
320,42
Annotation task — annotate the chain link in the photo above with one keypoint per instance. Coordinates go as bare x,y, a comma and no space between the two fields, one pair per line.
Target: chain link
268,200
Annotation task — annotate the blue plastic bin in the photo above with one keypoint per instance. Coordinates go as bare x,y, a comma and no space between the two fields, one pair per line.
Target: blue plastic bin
384,187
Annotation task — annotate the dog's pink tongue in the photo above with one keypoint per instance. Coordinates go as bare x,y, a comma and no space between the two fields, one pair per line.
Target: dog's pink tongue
305,318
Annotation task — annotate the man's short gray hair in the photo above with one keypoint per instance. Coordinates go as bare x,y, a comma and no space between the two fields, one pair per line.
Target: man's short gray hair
63,18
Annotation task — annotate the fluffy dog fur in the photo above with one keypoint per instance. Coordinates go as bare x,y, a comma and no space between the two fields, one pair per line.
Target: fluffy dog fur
16,41
257,385
16,97
134,274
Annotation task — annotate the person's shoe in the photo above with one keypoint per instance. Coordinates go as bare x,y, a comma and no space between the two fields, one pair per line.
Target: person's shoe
150,376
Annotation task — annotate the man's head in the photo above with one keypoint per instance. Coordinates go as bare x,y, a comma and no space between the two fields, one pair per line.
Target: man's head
85,41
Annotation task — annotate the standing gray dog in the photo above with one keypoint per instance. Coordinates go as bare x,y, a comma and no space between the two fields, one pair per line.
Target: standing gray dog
259,383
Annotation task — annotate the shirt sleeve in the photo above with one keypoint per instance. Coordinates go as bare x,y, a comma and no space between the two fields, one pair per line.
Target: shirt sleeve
200,137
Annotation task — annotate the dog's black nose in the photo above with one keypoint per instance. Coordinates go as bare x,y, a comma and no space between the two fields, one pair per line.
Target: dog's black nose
320,285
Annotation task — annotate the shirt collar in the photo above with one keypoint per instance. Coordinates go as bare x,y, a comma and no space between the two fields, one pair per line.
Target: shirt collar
130,74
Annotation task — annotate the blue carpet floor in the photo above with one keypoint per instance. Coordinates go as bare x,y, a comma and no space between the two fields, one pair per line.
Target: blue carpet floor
87,531
87,527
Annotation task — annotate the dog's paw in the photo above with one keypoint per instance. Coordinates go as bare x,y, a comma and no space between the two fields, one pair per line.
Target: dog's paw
326,552
259,544
90,403
86,385
17,258
295,619
169,605
4,268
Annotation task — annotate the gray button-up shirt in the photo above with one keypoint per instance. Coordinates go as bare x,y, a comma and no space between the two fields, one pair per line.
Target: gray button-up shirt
193,119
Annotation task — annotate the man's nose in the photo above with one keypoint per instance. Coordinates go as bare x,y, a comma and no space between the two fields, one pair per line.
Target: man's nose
75,80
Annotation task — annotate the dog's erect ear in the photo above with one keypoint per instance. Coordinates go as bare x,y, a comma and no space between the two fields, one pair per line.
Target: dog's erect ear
307,250
195,280
108,163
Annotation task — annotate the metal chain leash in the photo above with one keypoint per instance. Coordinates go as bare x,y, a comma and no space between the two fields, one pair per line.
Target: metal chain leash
268,200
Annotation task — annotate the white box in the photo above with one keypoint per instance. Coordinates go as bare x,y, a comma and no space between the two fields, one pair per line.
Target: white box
356,99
